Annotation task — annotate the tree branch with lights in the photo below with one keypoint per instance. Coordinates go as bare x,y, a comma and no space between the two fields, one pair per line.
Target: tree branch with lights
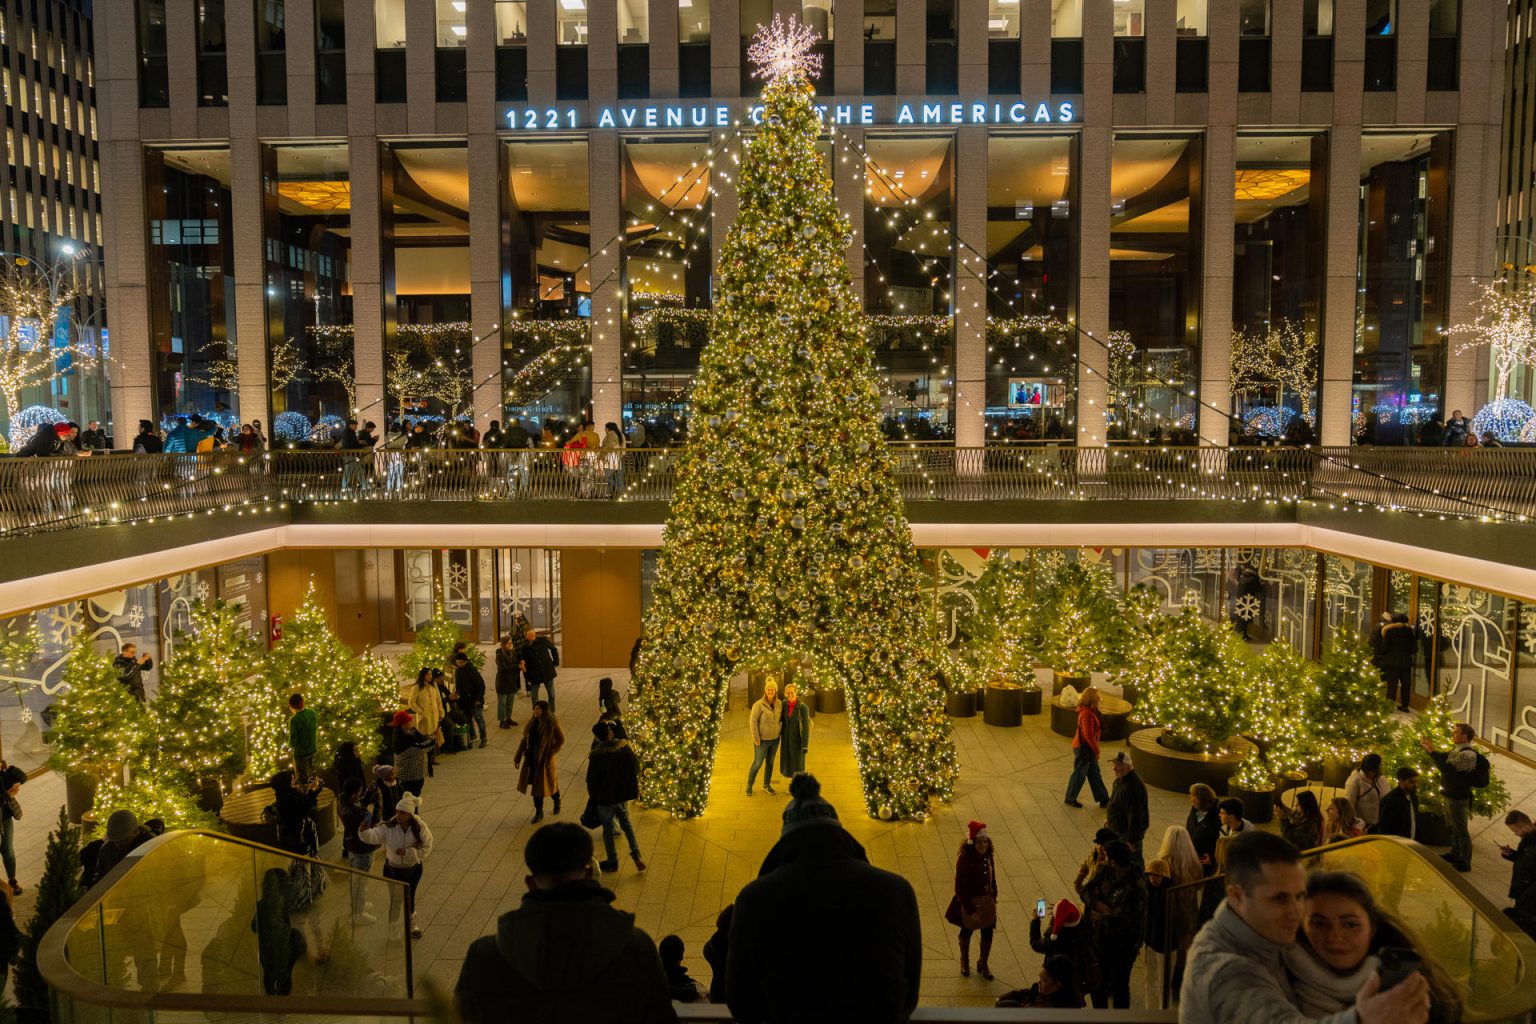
1282,356
32,300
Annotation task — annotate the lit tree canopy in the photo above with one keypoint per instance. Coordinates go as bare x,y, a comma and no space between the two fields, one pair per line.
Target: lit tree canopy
198,713
1081,623
1504,323
1002,634
98,729
1283,357
1188,672
787,536
1347,706
32,299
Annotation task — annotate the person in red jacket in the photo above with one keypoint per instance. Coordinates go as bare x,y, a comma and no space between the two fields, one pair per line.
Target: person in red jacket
974,906
1085,751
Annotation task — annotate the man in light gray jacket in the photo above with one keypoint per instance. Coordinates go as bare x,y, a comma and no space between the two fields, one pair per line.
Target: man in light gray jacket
1236,971
764,723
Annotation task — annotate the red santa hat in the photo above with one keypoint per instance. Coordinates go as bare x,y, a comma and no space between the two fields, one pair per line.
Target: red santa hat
977,828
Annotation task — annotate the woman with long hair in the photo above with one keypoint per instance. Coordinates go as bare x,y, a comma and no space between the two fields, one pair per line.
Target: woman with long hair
1203,823
407,843
973,907
538,773
1181,910
1085,751
1340,821
1303,825
426,703
1342,933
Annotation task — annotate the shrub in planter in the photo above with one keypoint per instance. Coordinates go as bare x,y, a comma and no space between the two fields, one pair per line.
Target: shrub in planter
1082,623
1000,637
1275,715
1254,784
1346,709
1190,674
98,729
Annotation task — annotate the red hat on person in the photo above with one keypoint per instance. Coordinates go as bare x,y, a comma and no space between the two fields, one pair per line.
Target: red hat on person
976,828
61,429
1065,915
401,718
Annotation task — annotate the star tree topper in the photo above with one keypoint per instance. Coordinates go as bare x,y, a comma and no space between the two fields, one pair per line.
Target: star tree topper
784,48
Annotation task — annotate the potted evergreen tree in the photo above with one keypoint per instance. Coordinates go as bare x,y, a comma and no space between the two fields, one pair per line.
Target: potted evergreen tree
57,891
1189,674
1001,640
99,734
1081,622
1434,723
1347,710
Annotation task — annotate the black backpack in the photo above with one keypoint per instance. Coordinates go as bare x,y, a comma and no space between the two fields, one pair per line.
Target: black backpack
1480,773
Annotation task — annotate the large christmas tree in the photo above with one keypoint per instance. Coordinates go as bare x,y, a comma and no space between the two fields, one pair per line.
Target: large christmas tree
787,537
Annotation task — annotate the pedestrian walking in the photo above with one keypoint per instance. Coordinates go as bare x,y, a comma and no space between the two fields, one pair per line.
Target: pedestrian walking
794,732
765,725
407,843
469,684
538,772
613,780
1085,751
973,907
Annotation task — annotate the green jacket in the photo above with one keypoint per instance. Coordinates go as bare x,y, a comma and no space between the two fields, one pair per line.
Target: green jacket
302,730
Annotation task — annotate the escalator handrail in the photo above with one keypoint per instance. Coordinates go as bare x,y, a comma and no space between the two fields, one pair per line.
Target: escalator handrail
53,961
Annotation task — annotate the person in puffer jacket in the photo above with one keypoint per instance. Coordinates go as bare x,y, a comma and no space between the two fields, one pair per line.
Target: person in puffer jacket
407,844
566,954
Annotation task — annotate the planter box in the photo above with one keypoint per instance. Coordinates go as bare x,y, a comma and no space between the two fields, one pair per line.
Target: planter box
1166,768
1336,773
960,705
1258,805
831,702
79,796
1434,830
1005,707
1032,701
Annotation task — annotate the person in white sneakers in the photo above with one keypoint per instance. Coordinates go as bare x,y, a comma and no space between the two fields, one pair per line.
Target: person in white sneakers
407,843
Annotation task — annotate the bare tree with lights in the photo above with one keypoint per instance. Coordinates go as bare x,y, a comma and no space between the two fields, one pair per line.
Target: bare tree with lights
33,297
1282,356
1504,323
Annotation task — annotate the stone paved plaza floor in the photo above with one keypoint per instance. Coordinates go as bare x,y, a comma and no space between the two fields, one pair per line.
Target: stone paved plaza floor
1011,778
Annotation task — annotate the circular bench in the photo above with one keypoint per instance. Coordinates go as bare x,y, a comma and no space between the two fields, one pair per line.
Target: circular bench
242,815
1177,770
1115,712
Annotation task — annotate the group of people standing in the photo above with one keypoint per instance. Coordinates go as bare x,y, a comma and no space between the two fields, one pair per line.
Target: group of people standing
781,727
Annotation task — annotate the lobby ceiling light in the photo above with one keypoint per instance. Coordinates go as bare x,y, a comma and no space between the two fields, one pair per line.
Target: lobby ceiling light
327,196
573,5
1269,183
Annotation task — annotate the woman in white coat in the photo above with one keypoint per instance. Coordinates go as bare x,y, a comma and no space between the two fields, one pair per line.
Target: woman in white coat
407,843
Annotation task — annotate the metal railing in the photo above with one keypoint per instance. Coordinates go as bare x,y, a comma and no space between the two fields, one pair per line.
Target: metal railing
42,495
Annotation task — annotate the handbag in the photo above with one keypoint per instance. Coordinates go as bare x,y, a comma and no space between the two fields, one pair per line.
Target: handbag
983,913
589,818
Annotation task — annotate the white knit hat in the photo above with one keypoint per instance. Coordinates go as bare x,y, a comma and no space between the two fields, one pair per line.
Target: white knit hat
408,803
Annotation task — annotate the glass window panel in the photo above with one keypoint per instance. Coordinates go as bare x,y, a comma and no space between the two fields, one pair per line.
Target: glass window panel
1279,232
1444,17
1154,313
879,20
511,22
1180,575
1380,17
634,21
1475,657
1129,16
1253,17
693,21
1003,19
1522,739
1066,19
546,369
1346,596
571,22
1190,17
452,31
817,14
909,244
1401,270
1283,582
1317,17
389,24
1032,257
752,14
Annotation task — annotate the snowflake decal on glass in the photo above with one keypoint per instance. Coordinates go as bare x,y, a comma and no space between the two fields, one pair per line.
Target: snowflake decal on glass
135,616
1427,619
62,622
203,590
517,567
1207,558
784,48
1528,628
26,714
458,580
1246,608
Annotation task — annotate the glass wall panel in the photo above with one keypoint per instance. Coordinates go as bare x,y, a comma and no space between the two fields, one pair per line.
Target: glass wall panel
1346,597
191,294
389,24
634,21
880,20
1317,17
1002,19
271,52
817,15
154,72
1181,576
1271,594
546,375
1280,227
1130,17
428,347
1253,17
212,70
1066,19
1476,658
1031,302
309,290
451,28
693,21
667,264
571,25
389,51
1154,298
1190,15
511,22
1399,369
1380,17
909,247
1522,737
330,52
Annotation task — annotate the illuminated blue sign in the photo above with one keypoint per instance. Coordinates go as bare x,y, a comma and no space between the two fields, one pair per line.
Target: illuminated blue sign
692,115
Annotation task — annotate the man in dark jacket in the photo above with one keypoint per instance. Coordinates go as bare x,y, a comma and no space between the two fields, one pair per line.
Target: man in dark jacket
613,774
469,684
1458,767
1522,878
1115,903
1127,812
565,954
1396,659
515,436
93,438
820,885
131,666
1400,808
539,661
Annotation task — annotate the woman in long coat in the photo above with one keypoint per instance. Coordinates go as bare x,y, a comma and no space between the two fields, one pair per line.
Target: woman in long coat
426,703
542,740
974,905
794,732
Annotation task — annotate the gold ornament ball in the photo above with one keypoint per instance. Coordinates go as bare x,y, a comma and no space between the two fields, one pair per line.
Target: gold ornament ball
885,812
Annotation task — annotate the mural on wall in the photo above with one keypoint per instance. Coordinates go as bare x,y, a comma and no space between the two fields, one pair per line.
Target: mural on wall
1182,576
1476,659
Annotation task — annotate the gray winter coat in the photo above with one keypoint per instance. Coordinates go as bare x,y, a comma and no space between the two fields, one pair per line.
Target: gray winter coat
765,722
1235,974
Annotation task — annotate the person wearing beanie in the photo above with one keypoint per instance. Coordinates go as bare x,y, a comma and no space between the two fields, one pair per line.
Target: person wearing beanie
974,904
407,843
613,774
388,785
123,835
764,722
819,886
1061,932
45,441
1115,903
411,748
566,954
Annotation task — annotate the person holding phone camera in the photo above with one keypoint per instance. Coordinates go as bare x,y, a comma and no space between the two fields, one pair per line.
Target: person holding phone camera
359,810
1347,940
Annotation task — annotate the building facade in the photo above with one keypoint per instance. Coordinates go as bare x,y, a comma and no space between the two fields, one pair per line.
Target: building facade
515,206
51,215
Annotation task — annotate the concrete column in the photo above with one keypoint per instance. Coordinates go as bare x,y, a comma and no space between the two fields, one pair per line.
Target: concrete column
970,291
602,55
181,37
848,187
249,329
1215,390
1472,257
1035,47
848,47
541,51
421,65
607,283
724,47
974,57
363,172
1412,28
1160,29
911,47
664,54
1094,159
1285,61
299,24
485,191
1339,284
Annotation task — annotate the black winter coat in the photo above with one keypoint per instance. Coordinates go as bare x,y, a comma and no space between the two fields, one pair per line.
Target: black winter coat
1397,646
869,915
1075,943
540,659
613,773
1395,818
564,955
1204,833
131,674
44,442
1522,879
509,677
470,685
1127,814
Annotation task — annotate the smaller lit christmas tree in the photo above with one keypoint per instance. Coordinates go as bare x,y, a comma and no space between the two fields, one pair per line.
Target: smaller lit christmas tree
1002,637
148,796
1434,723
1082,626
1279,681
1347,707
199,731
1189,673
57,891
434,644
99,729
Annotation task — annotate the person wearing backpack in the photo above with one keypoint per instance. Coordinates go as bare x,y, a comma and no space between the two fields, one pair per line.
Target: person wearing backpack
1462,770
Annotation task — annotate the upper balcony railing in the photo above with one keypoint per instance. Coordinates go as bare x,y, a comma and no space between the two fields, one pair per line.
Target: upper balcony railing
42,495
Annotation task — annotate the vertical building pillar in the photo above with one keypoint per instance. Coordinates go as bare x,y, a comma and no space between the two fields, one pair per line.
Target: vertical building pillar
911,47
607,281
487,186
1095,155
848,188
248,162
1340,286
663,48
1217,233
970,287
366,270
541,51
848,47
725,54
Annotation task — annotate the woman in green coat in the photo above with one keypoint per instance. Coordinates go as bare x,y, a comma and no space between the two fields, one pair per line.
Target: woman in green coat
794,732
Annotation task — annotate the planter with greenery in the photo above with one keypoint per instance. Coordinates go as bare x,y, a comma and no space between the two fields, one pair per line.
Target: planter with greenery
1434,723
1082,623
99,732
1190,675
999,638
433,647
1254,784
1346,708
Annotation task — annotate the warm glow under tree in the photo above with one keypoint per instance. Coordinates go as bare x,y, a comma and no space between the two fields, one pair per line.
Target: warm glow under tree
787,537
